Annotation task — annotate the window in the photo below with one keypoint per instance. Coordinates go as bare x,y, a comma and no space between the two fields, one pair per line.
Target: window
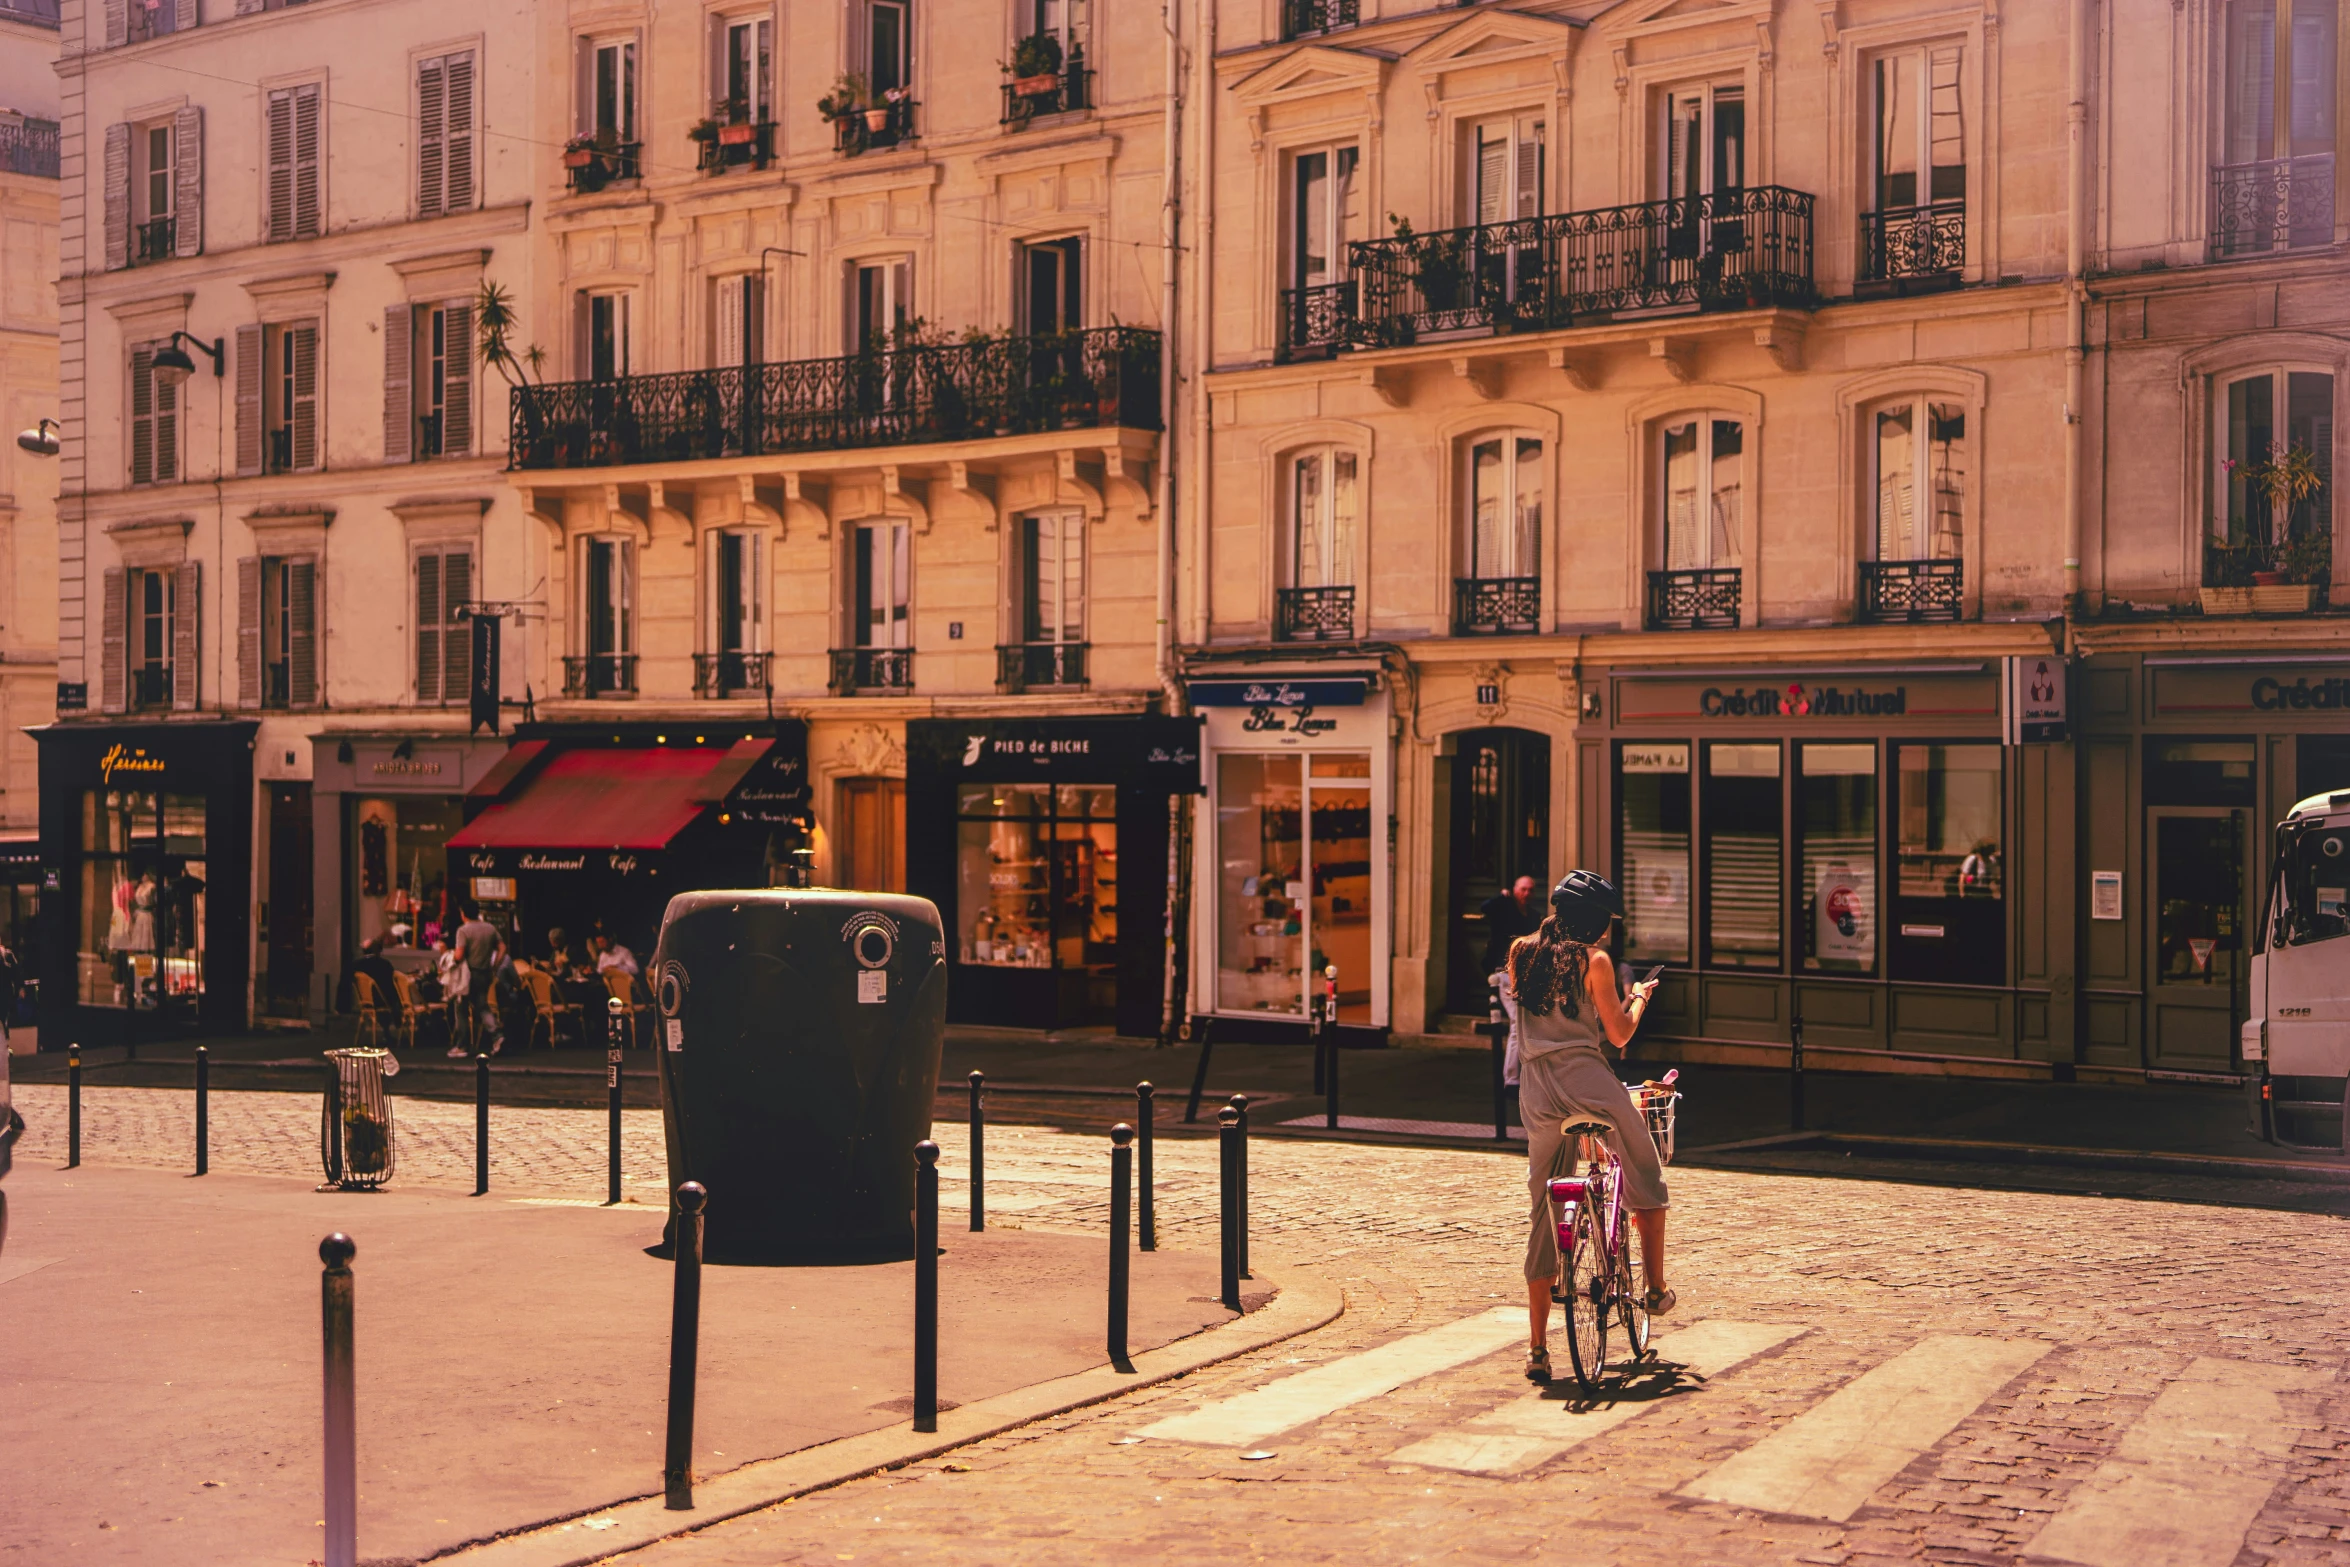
1743,852
1296,843
1703,479
1836,816
443,393
1703,149
155,405
606,90
1323,505
735,584
1037,876
1324,213
1652,850
882,569
152,599
294,163
889,45
607,581
153,187
1918,452
738,320
741,69
1505,163
1504,510
603,336
277,398
152,190
1918,148
1052,578
881,302
150,19
444,134
444,642
277,631
142,897
1949,894
1051,286
2280,82
2251,436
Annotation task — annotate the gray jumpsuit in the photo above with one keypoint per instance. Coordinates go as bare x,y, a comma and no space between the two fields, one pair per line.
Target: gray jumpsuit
1564,1075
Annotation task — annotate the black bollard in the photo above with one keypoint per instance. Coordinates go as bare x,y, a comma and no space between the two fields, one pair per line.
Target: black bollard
342,1444
1497,1025
926,1286
1795,1071
1318,1039
1239,1103
685,1339
1121,1193
1228,1140
1147,1219
203,1109
73,1106
334,1124
1330,1045
1203,1030
481,1124
978,1154
613,1042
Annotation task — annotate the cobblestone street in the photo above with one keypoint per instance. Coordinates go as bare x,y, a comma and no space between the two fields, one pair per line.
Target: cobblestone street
1935,1373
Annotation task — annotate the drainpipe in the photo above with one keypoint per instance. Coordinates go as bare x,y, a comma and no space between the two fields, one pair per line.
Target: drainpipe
1174,981
2076,297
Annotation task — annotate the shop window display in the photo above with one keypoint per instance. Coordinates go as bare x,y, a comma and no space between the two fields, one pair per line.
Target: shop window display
400,874
143,872
1294,845
1652,847
1037,876
1836,813
1949,868
1743,855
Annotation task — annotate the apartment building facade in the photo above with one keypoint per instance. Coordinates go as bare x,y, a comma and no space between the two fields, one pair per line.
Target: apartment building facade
281,485
1643,436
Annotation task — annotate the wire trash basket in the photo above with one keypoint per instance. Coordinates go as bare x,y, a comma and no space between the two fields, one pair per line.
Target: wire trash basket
355,1141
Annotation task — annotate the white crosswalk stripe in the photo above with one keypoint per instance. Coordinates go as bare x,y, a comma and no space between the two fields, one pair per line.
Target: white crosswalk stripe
1828,1461
2190,1474
1537,1427
1296,1400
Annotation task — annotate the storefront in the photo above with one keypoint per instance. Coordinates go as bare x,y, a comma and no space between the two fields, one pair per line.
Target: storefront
1043,841
1295,861
1836,846
147,855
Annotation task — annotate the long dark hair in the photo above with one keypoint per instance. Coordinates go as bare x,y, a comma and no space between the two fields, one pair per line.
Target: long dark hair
1547,969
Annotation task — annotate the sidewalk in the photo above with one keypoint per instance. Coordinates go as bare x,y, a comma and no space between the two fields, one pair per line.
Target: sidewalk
512,1358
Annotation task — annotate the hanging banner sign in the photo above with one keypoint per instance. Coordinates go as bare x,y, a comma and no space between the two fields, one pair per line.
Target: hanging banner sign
483,693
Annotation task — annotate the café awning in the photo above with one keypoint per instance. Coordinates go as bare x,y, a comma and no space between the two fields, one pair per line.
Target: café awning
636,798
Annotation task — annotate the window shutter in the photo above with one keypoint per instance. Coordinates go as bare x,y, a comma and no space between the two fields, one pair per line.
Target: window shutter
757,640
583,87
118,23
167,427
718,60
399,385
1529,170
187,617
302,418
183,15
432,120
1493,153
306,175
143,415
118,197
249,373
457,169
281,162
457,640
754,318
302,654
762,67
727,323
249,631
112,698
187,177
457,380
428,628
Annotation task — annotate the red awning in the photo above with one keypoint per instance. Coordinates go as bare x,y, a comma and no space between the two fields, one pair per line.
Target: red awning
594,799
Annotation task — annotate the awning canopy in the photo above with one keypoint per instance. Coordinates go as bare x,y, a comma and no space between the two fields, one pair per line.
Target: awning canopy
638,798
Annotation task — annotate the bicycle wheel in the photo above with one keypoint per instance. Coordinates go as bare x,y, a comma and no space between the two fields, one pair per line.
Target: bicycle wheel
1587,1269
1631,1289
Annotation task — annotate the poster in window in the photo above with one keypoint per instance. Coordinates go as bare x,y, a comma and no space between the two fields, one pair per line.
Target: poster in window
1844,914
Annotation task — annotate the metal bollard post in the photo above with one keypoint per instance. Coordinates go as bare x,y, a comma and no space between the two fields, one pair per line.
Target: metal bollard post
1318,1039
685,1338
481,1124
334,1123
203,1109
614,1041
1497,1025
342,1466
1239,1104
73,1106
978,1154
1146,1214
1228,1139
1121,1191
1795,1071
1203,1030
1330,1038
926,1286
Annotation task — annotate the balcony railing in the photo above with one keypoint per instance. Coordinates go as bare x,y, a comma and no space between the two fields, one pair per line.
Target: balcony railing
151,685
1496,606
428,436
1104,377
731,674
871,670
28,147
277,684
1911,590
1317,321
1027,97
1732,250
1701,600
1314,614
734,140
857,130
152,241
1026,666
594,166
1302,17
599,674
2275,204
1909,247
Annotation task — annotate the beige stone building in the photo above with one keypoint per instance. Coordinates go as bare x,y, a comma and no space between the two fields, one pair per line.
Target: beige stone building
1648,436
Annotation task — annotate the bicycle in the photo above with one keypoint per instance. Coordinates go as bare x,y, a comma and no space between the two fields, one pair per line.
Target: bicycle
1601,1271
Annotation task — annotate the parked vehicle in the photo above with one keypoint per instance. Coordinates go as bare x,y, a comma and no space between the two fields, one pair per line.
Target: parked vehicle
2299,1028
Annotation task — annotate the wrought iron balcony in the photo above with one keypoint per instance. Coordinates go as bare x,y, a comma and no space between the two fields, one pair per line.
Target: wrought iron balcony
152,241
1025,666
2276,204
151,685
1104,377
277,684
871,130
734,140
600,674
1893,591
1299,18
428,436
731,674
1732,250
870,670
1027,97
1913,247
1314,614
1701,600
28,146
592,165
1496,606
1317,321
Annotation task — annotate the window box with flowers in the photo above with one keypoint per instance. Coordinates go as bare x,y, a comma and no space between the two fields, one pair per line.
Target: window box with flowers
2284,572
862,119
595,160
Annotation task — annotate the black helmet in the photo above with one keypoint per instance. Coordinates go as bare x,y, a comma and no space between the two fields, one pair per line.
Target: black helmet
1584,903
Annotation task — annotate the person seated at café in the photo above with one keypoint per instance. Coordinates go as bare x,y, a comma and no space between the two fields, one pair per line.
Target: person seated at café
560,958
371,963
402,953
610,954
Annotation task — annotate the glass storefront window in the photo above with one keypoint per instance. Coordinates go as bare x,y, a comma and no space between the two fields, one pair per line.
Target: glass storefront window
142,927
1340,847
1260,887
1743,854
1949,867
1836,815
1652,847
1037,875
400,868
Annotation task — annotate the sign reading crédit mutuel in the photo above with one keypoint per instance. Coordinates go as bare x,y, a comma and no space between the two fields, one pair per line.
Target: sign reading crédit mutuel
2187,692
1807,698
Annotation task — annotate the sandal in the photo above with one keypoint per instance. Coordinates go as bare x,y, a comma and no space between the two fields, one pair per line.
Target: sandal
1538,1365
1658,1302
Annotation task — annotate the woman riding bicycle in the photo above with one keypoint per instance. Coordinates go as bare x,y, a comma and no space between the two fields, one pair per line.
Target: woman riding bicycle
1569,1012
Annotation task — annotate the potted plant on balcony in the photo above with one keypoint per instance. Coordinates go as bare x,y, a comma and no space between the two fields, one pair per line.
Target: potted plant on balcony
850,97
736,128
1439,263
1036,66
2285,480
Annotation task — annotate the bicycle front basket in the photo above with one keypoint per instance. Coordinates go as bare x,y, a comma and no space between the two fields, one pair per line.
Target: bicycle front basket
1657,1107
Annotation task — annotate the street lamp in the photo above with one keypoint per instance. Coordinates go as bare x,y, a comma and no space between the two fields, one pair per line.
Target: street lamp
171,364
41,440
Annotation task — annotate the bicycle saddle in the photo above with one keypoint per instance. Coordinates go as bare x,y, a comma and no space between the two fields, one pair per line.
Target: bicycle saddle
1584,1128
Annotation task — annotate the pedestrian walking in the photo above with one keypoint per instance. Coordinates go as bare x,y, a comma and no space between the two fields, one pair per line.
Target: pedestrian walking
482,947
1509,915
456,981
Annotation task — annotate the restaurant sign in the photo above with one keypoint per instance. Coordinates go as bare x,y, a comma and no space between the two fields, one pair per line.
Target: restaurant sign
538,862
1147,750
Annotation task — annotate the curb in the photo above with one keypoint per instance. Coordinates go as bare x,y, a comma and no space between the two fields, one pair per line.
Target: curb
1969,1152
1302,1304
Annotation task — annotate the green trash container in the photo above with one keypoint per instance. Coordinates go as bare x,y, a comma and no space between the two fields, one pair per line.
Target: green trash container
799,1037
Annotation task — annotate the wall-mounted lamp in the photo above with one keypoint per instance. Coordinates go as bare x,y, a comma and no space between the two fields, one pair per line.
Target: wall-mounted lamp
41,440
171,364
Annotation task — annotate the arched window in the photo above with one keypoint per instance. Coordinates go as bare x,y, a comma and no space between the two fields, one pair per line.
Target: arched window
1499,589
1702,493
1918,460
2273,481
1323,510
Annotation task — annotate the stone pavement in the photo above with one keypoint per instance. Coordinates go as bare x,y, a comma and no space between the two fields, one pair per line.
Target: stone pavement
2162,1384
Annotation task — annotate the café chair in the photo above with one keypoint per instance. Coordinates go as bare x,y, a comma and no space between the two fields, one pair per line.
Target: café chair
548,1008
415,1011
376,1011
